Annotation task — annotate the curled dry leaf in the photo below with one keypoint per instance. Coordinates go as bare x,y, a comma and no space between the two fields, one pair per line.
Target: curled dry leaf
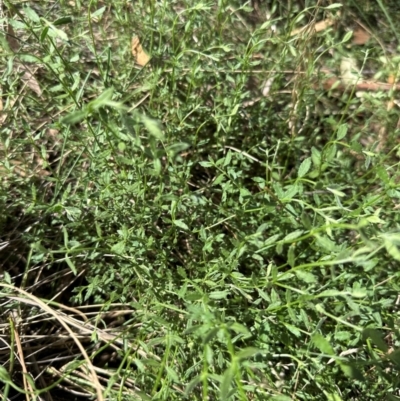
316,27
360,36
12,39
141,57
349,71
29,79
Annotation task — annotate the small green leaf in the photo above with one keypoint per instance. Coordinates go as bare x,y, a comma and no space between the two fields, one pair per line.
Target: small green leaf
392,249
395,357
75,117
333,6
291,256
330,152
118,248
322,344
306,220
350,370
376,338
70,264
172,375
359,293
31,14
227,159
99,12
304,167
293,329
342,131
295,234
192,384
356,146
325,243
336,192
247,353
181,224
227,379
154,127
316,156
347,36
43,35
205,164
305,276
219,294
63,21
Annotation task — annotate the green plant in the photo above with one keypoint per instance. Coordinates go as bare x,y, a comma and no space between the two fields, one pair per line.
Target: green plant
213,225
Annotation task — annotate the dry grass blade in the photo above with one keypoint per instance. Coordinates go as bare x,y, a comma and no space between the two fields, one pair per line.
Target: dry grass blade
63,321
27,384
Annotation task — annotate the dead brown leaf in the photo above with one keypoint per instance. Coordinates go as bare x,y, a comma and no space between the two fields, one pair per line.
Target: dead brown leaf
12,39
29,79
315,27
141,57
360,36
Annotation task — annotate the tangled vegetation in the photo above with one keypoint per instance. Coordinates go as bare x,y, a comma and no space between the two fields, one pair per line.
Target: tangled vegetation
200,200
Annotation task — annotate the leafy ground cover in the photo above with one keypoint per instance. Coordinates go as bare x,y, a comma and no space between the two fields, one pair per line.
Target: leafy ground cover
200,200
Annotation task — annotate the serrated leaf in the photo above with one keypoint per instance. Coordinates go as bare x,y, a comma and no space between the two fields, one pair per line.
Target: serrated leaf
376,338
392,249
322,344
118,248
305,219
350,370
325,243
330,152
172,374
218,180
356,146
293,329
290,192
304,167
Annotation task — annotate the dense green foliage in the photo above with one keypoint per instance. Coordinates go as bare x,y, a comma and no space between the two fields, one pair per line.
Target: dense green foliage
253,236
